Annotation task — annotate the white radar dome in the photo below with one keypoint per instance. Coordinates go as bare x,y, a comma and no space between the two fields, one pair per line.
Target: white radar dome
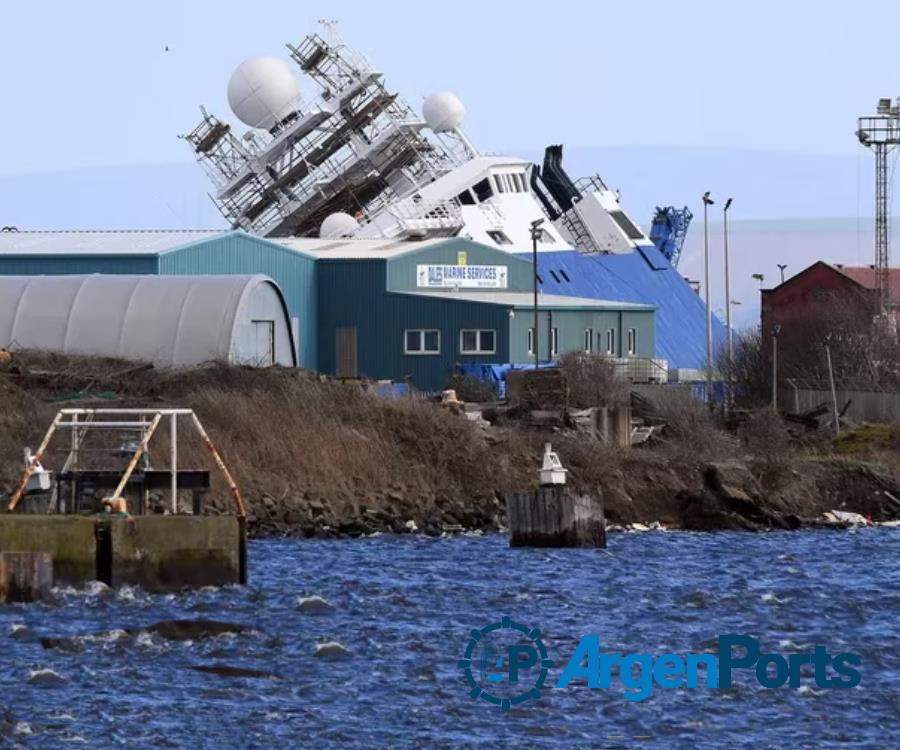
263,91
443,111
338,225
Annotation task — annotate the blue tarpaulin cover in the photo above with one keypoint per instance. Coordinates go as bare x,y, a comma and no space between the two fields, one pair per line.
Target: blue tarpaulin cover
630,277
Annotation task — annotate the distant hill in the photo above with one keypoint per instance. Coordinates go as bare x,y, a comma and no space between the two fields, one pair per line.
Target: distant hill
170,196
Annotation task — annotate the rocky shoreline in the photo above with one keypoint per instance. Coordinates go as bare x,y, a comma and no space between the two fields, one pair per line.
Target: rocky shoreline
724,496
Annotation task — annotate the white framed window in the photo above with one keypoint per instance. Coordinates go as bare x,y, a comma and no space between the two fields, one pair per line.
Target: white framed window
632,341
589,340
531,341
554,342
477,341
422,341
611,342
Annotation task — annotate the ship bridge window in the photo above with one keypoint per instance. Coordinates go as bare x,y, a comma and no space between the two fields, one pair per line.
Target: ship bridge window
499,237
626,225
465,198
483,189
510,183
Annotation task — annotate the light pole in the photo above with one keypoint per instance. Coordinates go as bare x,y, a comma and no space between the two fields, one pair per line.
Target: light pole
759,277
776,329
781,267
707,202
535,236
728,301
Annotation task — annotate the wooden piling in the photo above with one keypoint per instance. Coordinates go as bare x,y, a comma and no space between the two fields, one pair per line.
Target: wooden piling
25,576
555,516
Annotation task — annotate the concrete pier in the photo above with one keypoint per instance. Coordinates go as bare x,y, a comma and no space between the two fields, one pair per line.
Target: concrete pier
555,516
158,553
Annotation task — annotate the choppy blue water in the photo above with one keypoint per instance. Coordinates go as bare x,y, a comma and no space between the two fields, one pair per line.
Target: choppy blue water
404,607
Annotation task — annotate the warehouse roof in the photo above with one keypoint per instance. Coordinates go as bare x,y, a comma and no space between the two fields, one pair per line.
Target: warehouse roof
356,249
169,320
521,300
101,242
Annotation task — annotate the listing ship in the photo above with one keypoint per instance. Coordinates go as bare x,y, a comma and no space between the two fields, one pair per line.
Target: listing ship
358,162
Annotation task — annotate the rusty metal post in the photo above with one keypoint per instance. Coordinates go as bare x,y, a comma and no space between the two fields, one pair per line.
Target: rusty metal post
35,460
136,457
239,504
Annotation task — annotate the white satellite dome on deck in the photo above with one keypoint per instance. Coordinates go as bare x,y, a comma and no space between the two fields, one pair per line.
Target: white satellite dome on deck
262,91
443,111
338,225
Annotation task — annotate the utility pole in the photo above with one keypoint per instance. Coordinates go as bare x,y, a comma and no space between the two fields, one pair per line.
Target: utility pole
707,202
776,329
836,420
881,134
535,236
730,398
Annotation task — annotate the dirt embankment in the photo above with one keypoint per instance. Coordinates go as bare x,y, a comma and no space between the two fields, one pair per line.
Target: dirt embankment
316,457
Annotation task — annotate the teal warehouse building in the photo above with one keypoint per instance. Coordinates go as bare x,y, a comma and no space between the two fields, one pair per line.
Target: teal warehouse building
172,253
414,310
380,309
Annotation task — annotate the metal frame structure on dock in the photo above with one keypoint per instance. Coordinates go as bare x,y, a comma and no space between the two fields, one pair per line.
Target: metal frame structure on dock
146,421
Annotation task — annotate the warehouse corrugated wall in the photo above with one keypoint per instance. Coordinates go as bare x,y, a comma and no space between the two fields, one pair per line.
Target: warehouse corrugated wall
241,253
53,265
172,254
352,295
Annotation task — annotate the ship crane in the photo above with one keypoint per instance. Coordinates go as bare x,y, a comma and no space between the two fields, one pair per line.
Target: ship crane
669,230
881,134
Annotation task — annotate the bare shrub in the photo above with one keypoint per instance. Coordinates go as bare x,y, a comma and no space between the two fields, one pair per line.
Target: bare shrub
592,381
691,431
748,371
472,390
767,439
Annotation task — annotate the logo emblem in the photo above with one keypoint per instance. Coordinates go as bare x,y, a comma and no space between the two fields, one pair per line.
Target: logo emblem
505,663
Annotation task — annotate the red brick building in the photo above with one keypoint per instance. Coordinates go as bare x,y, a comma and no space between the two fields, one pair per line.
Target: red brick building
822,291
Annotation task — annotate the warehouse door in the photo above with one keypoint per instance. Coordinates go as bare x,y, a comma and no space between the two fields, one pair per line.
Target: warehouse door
264,337
345,353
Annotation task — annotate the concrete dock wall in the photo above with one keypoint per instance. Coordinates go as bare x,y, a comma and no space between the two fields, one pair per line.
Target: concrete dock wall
69,539
155,553
158,553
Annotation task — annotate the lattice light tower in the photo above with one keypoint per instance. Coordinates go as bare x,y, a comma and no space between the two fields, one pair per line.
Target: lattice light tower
881,134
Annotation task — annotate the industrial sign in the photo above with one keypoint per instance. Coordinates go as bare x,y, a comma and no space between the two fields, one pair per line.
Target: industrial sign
449,277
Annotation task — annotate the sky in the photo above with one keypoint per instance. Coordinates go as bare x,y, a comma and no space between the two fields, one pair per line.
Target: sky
753,100
93,84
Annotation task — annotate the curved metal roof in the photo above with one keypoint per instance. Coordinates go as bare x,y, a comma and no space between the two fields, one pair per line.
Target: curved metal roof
168,320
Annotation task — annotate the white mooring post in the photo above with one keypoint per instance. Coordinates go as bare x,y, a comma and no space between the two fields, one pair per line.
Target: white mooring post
553,515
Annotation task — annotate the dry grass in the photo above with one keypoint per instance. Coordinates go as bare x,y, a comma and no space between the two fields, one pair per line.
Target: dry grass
281,432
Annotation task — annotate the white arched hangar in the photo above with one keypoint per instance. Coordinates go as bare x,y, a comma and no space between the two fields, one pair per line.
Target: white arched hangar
172,321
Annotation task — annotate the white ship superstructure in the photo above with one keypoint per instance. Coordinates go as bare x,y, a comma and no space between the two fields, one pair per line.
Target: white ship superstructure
359,162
